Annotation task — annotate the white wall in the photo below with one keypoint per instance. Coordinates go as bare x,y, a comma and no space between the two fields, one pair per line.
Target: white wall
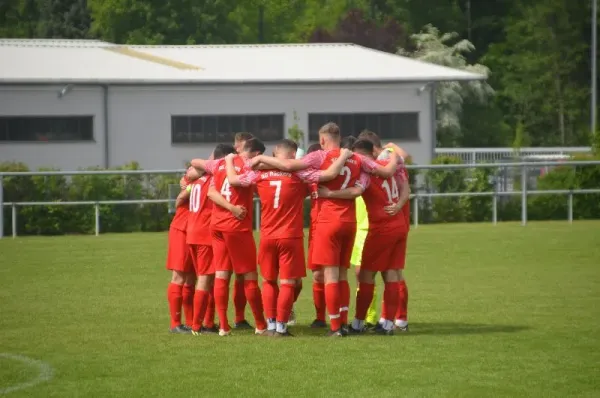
140,122
140,117
43,100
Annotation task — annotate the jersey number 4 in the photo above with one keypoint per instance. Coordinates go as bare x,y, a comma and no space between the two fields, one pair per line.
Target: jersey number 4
277,185
391,188
195,198
226,190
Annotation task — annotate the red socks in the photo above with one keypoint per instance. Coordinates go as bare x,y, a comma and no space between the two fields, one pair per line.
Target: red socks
344,301
209,316
297,290
319,300
363,299
402,312
255,300
270,292
239,301
201,299
188,303
175,298
332,301
391,298
285,301
222,301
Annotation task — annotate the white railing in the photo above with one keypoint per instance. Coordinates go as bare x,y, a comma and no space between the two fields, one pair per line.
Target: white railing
524,192
477,155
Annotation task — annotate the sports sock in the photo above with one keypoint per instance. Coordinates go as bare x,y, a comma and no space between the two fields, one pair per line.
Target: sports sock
297,290
357,324
255,300
344,301
365,296
332,301
281,327
390,298
201,299
209,316
270,292
188,303
285,301
175,298
239,301
319,300
222,302
402,312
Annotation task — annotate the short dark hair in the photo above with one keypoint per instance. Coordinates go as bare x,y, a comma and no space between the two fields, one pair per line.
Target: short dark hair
313,148
288,144
348,142
222,150
370,136
330,128
364,146
243,136
254,145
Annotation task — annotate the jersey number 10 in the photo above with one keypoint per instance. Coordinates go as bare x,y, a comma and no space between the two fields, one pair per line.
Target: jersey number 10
195,198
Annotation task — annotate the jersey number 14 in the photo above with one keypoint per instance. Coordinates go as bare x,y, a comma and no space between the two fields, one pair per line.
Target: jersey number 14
391,188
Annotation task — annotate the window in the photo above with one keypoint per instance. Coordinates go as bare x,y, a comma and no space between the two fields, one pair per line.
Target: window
391,126
46,128
212,129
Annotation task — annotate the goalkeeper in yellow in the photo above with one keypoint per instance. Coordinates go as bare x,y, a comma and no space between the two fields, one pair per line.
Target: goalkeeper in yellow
362,219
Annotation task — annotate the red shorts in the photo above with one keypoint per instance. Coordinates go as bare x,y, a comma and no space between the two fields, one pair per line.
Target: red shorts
234,251
178,256
281,256
332,245
202,256
384,252
311,232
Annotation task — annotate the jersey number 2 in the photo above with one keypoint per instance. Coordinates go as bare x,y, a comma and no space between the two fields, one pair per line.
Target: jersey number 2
195,198
226,191
347,174
392,192
277,185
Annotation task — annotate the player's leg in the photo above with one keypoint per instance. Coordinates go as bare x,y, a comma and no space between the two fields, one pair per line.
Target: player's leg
223,268
177,257
346,236
363,300
332,298
269,270
188,297
242,250
292,270
318,290
202,256
402,313
390,300
359,242
297,290
239,303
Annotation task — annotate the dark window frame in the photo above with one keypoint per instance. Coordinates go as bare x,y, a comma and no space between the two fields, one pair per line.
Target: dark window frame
352,123
46,128
254,123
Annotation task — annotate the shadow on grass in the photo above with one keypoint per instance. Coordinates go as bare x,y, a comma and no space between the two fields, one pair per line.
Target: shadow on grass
434,328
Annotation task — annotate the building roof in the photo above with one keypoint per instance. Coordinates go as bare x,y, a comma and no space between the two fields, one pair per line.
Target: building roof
92,61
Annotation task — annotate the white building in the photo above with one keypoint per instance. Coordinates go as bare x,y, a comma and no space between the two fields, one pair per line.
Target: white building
71,103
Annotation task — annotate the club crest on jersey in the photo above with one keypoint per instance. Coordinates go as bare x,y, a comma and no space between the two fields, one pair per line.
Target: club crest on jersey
276,174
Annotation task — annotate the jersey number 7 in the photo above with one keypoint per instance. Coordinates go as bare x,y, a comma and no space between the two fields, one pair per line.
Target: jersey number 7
277,185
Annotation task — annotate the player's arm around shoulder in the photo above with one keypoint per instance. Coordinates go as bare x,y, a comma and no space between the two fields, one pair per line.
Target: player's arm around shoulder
385,171
314,159
349,193
239,212
183,196
336,167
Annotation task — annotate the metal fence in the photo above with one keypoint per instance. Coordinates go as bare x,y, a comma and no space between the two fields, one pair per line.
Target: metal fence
416,197
477,155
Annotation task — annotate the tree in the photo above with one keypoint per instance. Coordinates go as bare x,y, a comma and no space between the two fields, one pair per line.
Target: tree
64,19
447,50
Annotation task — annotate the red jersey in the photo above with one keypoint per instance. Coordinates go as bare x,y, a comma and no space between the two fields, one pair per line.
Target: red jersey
339,210
180,218
222,219
200,210
381,192
314,208
282,198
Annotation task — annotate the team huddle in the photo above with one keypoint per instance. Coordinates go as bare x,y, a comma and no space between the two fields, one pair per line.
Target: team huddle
211,236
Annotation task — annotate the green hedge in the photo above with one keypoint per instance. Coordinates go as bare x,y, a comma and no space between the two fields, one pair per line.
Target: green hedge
55,220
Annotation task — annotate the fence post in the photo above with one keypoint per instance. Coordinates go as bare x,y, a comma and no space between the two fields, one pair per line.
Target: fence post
416,211
524,195
1,208
495,209
97,218
570,206
14,221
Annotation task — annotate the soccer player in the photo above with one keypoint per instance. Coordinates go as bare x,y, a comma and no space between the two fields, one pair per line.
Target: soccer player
199,240
281,251
239,297
385,245
336,223
181,288
234,249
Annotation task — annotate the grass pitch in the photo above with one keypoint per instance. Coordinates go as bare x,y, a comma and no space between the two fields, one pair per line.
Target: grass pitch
494,311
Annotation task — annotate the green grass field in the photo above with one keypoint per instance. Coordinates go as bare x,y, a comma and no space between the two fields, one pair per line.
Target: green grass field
494,311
